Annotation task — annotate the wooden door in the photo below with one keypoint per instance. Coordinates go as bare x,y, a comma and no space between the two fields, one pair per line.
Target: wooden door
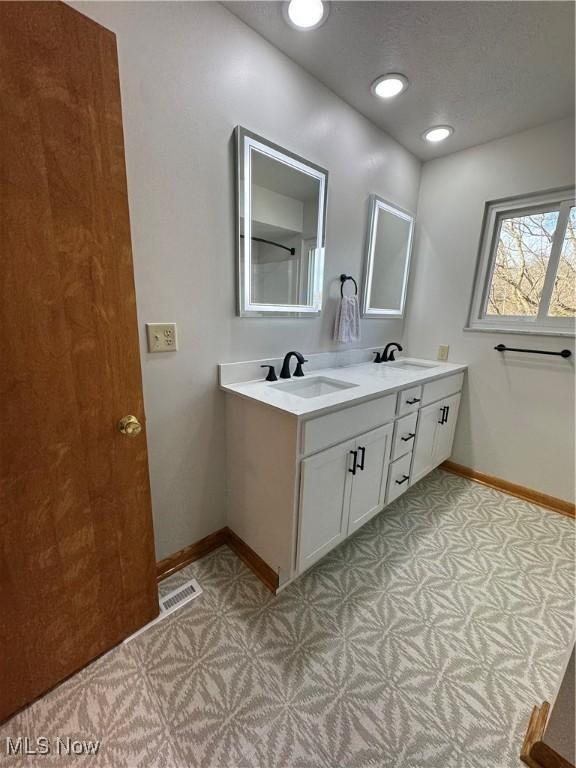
369,484
324,502
76,540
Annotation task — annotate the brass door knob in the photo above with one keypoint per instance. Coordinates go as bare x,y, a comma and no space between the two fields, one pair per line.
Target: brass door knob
129,425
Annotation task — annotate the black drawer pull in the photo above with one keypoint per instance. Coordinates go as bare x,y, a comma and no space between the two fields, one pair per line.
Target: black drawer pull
404,478
444,417
361,448
413,401
410,436
355,457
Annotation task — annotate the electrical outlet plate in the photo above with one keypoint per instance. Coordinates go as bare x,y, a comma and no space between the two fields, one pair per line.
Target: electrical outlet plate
161,337
443,350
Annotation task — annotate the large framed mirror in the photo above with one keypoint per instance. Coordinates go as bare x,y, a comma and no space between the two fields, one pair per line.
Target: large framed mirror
387,259
281,215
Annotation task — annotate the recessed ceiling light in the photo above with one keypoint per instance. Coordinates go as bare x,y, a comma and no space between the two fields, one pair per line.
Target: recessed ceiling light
438,133
388,86
305,14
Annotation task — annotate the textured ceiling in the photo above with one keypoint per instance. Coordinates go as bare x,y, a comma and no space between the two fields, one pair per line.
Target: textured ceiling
486,68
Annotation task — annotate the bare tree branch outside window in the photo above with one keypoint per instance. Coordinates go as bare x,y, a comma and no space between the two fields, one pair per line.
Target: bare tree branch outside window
521,262
563,302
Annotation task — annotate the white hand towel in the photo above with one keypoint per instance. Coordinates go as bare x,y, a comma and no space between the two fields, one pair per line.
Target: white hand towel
347,326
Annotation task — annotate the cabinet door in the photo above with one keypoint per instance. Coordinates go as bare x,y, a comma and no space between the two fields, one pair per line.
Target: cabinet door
369,483
324,502
445,431
425,446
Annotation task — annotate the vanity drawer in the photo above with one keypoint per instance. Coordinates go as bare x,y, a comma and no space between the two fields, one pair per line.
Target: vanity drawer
409,400
336,427
436,390
404,435
398,477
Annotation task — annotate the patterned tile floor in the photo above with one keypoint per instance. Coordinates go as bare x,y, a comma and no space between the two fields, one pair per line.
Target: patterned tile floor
422,642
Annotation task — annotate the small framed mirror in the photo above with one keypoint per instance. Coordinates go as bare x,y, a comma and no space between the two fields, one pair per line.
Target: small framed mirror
387,259
281,214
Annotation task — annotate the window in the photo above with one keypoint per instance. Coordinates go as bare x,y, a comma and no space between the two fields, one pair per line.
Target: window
526,274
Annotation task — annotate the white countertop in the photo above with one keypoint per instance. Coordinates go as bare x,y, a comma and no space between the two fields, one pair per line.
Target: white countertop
371,380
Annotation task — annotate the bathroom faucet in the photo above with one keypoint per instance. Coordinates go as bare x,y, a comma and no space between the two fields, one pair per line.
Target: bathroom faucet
285,372
389,349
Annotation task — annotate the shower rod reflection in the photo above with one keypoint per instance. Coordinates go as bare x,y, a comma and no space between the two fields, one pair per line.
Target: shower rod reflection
292,251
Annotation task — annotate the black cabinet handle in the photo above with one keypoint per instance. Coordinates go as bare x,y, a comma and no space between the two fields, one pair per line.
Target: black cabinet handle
409,436
361,466
355,457
444,417
413,401
404,478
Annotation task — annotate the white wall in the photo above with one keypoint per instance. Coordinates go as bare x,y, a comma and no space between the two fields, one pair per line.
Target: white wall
189,73
276,210
517,414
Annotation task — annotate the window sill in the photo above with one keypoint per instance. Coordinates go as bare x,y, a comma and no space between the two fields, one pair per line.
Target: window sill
522,331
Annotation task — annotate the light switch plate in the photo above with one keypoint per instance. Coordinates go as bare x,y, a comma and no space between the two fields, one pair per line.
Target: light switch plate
162,337
443,350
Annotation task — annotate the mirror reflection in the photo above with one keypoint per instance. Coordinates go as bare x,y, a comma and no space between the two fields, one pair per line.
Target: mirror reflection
281,227
387,259
284,228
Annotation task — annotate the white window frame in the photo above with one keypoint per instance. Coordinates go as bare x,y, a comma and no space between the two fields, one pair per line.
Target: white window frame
495,211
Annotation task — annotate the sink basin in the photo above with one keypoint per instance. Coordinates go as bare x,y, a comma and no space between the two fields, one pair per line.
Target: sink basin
315,386
399,365
410,366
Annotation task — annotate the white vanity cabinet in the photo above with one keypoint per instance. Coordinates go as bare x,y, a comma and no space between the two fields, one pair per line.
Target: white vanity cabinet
404,434
436,425
324,502
369,481
340,490
398,477
298,485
